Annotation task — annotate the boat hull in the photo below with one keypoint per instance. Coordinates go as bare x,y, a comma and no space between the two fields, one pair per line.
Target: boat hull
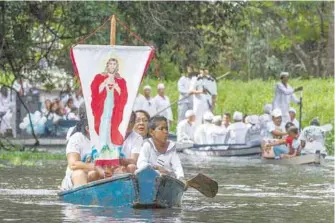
298,160
247,150
147,188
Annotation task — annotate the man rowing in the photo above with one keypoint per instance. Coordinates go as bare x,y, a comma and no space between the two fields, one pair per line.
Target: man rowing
284,95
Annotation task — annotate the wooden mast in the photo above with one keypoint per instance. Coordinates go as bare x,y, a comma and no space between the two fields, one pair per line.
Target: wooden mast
113,31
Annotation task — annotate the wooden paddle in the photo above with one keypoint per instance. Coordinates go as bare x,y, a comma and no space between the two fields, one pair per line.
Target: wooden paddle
204,185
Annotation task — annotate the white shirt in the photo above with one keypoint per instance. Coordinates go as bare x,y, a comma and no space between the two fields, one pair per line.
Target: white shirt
138,104
283,97
211,86
183,89
168,160
237,133
185,131
216,134
132,144
77,101
314,137
263,121
271,127
197,84
149,106
162,103
78,143
200,135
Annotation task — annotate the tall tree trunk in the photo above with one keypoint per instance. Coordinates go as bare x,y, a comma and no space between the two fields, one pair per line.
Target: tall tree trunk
330,44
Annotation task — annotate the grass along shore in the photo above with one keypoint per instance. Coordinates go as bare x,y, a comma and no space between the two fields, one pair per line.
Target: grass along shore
250,97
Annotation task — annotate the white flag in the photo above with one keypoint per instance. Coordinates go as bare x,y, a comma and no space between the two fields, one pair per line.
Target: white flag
110,77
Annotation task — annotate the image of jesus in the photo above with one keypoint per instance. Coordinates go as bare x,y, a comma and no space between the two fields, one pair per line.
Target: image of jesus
109,97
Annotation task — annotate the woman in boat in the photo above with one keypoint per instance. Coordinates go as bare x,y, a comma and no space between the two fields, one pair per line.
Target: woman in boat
141,123
158,151
109,97
80,172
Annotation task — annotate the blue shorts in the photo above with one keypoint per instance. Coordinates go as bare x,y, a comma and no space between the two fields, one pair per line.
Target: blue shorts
280,149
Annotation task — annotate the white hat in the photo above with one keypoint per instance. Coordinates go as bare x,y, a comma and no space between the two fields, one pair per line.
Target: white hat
146,87
276,113
208,116
238,116
292,110
267,108
283,74
160,86
217,118
252,119
189,113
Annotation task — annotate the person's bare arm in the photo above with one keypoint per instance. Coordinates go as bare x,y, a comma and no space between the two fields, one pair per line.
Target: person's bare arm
75,163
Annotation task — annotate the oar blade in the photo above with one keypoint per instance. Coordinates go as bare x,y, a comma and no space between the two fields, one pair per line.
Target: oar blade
204,185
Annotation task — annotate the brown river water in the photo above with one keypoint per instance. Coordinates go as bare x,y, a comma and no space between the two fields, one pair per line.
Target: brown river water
249,191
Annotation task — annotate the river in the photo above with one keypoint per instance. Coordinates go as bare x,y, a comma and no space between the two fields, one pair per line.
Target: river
248,192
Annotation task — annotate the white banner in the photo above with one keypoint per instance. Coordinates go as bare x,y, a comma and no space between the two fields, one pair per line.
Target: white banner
110,77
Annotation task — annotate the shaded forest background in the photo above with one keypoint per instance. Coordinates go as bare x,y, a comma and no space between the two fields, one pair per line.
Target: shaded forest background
252,40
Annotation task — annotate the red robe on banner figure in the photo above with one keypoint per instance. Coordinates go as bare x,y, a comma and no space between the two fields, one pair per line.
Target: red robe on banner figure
109,97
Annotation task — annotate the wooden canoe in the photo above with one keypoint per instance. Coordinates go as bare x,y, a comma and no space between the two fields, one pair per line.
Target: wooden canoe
298,160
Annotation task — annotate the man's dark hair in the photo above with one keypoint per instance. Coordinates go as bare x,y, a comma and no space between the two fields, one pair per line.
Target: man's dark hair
288,125
143,112
227,114
315,122
293,130
153,121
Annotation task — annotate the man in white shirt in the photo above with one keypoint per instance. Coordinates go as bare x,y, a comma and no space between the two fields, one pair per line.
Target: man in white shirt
200,135
185,128
226,120
237,131
139,102
216,133
284,95
148,102
292,112
200,103
131,146
183,89
162,102
212,88
265,118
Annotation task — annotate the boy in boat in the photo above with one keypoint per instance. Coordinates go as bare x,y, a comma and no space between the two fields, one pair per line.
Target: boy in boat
158,151
292,142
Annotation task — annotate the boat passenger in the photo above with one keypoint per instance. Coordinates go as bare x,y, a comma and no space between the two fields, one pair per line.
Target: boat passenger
183,88
161,102
264,119
141,123
185,128
226,120
288,147
78,146
159,152
284,94
131,147
292,114
217,133
200,134
148,102
275,130
139,102
237,131
254,128
312,138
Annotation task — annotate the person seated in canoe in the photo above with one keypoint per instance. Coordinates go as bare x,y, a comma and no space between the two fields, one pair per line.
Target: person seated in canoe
201,132
237,131
292,143
141,123
265,119
131,148
312,138
275,130
292,112
158,151
217,134
185,128
80,170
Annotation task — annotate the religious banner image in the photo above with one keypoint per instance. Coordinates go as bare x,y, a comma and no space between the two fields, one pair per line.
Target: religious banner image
110,77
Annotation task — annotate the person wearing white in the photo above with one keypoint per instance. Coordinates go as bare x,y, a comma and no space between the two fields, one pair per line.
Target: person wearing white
212,88
161,102
226,120
200,102
264,119
139,102
159,152
183,89
292,112
201,135
5,110
148,103
254,129
132,144
216,133
185,128
237,131
284,95
312,138
276,128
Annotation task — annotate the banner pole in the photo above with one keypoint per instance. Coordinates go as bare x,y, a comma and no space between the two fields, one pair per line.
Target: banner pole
113,31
